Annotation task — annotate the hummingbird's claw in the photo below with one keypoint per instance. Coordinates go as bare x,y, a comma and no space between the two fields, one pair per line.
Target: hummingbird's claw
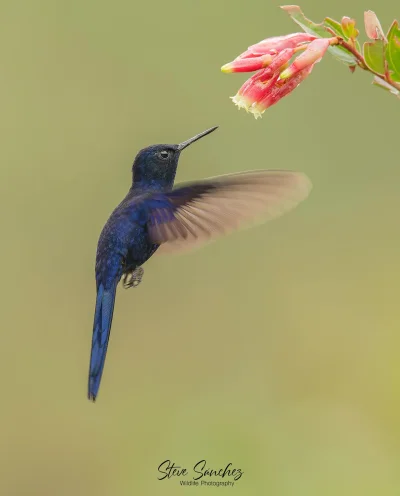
133,279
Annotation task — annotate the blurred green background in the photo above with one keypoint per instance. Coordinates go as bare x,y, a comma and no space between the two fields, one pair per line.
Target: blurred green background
275,349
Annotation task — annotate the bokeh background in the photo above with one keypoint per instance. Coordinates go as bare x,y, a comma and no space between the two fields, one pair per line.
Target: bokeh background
277,348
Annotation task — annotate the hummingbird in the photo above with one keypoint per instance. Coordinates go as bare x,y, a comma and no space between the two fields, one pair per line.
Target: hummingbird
155,217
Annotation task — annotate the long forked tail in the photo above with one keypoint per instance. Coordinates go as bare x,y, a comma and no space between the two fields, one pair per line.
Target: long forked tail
101,334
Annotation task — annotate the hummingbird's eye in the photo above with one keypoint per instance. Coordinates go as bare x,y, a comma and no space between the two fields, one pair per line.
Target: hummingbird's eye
164,154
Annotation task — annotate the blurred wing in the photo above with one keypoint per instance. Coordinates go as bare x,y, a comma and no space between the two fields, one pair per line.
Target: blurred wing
192,215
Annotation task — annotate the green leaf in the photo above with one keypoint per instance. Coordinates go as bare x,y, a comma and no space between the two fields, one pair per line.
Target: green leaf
385,86
308,26
374,55
393,51
319,30
335,26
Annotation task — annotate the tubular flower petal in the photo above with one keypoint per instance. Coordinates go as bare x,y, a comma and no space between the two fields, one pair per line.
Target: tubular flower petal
261,54
312,54
255,96
253,92
277,44
248,64
279,61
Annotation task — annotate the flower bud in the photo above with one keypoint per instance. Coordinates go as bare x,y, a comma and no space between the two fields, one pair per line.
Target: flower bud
248,64
373,27
312,54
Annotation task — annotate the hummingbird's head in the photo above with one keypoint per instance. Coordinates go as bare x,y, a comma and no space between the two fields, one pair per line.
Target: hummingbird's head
155,166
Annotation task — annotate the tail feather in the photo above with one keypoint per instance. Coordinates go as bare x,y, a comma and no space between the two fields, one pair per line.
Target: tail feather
101,333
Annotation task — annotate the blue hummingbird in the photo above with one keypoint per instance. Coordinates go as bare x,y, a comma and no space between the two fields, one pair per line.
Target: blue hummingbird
154,216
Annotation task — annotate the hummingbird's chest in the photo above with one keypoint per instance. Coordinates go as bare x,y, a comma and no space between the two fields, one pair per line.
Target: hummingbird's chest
125,236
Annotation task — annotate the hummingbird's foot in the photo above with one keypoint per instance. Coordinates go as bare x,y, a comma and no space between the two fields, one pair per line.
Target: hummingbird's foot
133,278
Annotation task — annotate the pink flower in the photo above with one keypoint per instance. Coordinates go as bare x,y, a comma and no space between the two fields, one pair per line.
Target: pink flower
258,94
261,54
275,45
311,55
274,79
248,64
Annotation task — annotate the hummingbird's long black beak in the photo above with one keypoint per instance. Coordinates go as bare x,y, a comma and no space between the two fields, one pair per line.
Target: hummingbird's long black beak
188,142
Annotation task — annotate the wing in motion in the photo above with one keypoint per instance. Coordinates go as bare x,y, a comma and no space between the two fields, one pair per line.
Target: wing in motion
192,215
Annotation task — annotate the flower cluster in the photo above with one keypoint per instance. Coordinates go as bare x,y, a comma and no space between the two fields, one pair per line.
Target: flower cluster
275,76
